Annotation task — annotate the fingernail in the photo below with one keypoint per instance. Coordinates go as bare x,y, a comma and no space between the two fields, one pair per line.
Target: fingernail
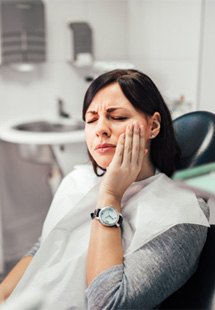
146,151
136,128
130,127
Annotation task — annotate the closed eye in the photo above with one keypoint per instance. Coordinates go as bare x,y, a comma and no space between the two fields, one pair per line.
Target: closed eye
115,118
90,121
119,118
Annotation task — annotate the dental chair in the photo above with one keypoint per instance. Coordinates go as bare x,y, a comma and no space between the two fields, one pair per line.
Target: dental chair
195,133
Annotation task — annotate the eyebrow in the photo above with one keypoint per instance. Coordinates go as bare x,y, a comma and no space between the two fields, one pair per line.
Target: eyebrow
109,110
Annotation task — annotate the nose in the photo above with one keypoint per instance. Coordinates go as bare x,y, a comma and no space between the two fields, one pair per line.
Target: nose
103,128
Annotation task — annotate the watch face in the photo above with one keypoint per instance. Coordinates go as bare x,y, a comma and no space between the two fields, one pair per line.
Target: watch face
108,216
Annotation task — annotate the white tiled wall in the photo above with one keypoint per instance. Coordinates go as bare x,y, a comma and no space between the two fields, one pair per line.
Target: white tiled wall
207,64
35,94
161,37
164,42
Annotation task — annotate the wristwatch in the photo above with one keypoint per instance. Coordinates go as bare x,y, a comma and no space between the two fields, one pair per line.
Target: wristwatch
108,216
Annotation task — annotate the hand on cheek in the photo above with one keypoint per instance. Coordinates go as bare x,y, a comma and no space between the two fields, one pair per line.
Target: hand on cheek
126,163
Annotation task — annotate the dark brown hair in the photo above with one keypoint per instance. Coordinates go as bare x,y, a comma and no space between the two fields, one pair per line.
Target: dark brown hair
143,94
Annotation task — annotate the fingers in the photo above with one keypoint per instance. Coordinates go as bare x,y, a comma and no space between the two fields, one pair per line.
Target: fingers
134,150
118,156
135,143
142,150
130,148
128,144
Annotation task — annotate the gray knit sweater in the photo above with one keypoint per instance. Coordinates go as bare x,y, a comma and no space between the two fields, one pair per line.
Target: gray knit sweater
152,273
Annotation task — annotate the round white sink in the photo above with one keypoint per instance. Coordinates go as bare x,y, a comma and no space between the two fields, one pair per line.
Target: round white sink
43,131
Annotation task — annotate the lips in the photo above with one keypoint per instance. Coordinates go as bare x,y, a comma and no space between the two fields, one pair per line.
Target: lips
105,147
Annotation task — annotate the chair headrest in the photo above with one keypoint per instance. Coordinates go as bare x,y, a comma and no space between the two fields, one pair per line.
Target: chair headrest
195,133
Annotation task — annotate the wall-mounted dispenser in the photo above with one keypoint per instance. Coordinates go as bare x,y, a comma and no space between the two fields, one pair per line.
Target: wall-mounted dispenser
22,33
82,44
83,58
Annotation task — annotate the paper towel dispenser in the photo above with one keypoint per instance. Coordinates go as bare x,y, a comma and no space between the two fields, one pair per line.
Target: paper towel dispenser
22,31
83,58
82,44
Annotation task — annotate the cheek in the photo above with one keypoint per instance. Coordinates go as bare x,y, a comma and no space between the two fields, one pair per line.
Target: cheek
118,130
88,138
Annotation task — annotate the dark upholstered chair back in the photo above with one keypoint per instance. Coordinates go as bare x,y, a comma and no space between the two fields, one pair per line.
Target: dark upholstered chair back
195,133
199,291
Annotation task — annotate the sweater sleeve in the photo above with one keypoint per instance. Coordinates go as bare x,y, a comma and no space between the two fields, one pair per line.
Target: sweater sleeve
152,273
34,249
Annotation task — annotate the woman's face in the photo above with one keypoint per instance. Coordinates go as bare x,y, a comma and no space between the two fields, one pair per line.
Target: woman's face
106,118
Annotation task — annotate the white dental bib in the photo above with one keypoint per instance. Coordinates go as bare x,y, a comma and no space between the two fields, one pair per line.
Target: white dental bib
149,208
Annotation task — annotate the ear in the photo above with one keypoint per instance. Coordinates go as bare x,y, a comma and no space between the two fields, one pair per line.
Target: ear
155,125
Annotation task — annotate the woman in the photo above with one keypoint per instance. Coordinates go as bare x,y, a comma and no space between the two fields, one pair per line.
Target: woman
145,234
